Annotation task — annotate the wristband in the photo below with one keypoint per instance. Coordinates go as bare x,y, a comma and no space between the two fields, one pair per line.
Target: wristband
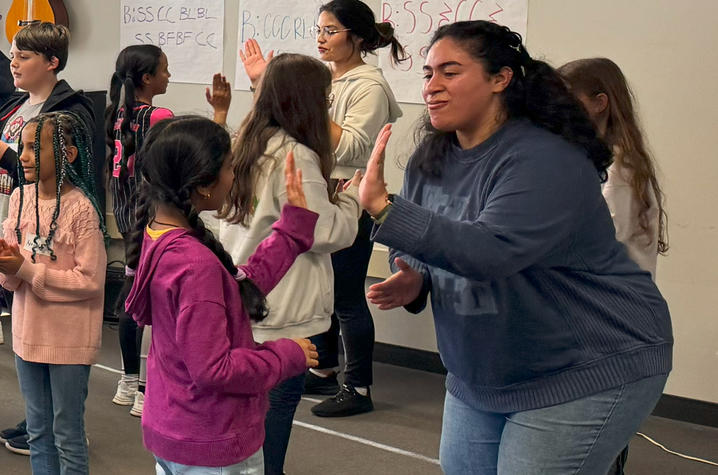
382,215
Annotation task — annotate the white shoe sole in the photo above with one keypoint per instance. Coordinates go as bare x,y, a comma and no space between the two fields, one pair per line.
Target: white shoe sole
120,401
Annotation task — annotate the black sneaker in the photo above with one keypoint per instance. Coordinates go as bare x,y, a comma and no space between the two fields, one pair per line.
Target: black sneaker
18,445
314,384
347,402
17,431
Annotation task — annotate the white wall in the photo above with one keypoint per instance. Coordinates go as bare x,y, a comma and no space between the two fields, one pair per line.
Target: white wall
667,50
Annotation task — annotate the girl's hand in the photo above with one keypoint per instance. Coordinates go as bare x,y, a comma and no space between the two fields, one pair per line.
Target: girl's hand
310,351
400,289
293,179
372,189
355,181
10,258
219,97
253,60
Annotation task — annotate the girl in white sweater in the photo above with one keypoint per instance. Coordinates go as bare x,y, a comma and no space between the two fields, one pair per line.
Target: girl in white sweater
361,104
632,190
290,116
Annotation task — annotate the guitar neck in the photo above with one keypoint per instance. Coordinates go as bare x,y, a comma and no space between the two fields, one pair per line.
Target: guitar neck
28,15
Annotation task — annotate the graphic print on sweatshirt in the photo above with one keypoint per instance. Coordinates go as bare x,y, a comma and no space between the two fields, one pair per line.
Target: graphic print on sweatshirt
459,295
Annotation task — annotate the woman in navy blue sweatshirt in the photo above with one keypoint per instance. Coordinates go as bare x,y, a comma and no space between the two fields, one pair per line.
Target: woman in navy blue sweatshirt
557,344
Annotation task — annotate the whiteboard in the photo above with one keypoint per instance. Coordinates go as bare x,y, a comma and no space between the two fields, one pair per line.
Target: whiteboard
190,32
280,25
414,23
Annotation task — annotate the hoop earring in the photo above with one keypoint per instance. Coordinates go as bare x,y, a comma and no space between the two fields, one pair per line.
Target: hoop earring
207,196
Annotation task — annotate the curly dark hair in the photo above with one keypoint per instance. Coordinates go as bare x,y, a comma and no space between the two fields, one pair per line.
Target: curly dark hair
536,92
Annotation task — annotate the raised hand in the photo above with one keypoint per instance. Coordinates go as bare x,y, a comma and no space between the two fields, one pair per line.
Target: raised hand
219,97
310,351
402,288
293,180
372,188
253,60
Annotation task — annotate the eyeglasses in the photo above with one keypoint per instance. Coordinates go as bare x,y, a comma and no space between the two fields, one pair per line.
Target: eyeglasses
325,31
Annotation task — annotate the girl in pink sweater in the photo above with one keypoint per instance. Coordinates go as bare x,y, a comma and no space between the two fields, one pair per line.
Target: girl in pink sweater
204,369
53,258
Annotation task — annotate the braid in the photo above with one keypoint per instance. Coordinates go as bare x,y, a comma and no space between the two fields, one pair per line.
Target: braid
178,156
60,154
255,303
36,150
18,233
84,179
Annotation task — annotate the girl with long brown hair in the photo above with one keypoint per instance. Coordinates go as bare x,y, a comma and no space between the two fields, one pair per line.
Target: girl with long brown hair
632,191
289,116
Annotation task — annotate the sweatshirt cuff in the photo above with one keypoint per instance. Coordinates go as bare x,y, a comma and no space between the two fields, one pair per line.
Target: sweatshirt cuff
405,226
294,363
353,194
27,271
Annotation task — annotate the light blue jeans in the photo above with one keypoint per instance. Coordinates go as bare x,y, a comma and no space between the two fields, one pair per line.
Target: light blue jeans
254,465
55,411
578,437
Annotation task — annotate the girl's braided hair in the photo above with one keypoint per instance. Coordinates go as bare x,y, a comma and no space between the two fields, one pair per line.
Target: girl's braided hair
179,155
67,130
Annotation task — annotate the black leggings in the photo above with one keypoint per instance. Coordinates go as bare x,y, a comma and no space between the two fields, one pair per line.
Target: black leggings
129,333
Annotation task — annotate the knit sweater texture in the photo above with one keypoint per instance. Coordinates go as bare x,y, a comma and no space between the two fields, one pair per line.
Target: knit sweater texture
535,302
57,307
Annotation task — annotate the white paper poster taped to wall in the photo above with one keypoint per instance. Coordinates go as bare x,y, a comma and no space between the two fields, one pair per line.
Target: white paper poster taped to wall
415,21
190,32
280,25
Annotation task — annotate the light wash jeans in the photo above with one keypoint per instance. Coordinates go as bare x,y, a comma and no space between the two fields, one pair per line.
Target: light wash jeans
55,412
254,465
578,437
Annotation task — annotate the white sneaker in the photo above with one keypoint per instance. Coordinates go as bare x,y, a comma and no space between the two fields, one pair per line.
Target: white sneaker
138,405
126,390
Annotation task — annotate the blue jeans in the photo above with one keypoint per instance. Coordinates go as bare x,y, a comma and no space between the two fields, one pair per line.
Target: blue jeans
55,412
250,466
351,312
283,402
578,437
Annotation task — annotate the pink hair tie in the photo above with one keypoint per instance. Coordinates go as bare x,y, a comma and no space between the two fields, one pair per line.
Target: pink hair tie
129,271
241,275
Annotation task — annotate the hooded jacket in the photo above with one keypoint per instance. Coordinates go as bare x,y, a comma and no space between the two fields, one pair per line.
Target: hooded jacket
363,103
207,380
62,98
